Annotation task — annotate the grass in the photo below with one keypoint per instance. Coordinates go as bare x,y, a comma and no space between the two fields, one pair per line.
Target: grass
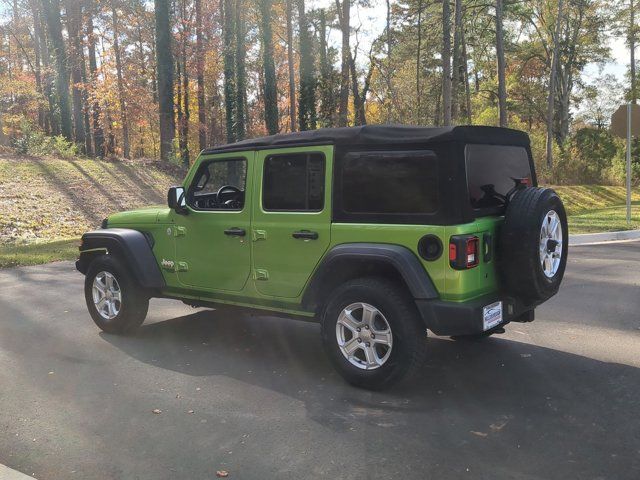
45,198
598,208
38,253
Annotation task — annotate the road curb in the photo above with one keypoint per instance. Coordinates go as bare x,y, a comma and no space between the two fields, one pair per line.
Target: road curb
604,237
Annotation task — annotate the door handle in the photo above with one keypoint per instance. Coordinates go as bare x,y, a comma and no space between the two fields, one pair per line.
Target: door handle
235,232
305,234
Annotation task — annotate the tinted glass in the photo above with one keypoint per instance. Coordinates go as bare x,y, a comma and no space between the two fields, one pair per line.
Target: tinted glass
390,183
213,176
294,182
492,171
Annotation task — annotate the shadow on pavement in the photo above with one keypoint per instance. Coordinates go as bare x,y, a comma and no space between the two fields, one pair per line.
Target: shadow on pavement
505,399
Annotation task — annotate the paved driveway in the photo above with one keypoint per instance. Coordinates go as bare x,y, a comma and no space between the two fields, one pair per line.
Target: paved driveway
555,399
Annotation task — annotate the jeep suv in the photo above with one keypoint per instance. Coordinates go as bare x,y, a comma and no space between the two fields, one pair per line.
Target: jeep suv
377,232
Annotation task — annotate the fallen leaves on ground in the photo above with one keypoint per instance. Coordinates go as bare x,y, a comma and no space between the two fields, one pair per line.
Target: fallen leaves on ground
222,473
157,411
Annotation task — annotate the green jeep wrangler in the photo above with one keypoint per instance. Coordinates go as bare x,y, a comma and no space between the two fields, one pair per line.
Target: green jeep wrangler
377,232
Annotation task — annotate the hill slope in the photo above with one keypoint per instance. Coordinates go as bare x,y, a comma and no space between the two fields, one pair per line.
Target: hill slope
51,198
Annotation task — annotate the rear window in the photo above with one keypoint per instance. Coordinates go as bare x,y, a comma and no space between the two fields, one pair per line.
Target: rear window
492,172
390,183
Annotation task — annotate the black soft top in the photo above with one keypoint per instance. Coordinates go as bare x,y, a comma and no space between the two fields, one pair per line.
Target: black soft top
376,135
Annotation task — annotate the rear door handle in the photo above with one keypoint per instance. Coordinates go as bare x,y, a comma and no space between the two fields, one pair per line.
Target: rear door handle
305,234
235,232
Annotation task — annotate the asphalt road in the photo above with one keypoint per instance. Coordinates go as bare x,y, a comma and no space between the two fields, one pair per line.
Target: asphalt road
555,399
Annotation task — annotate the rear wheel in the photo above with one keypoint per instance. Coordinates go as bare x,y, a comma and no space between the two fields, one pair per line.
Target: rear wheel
115,301
372,333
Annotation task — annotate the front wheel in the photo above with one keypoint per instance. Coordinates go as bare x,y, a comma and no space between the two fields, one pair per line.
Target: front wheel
372,333
115,301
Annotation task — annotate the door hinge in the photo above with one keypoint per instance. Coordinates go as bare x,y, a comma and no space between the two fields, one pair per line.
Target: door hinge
260,274
179,231
259,235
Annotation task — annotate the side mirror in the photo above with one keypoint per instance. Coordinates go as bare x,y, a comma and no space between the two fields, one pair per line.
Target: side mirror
176,200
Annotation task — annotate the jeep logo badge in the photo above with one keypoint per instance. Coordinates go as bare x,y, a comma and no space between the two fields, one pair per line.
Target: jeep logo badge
168,264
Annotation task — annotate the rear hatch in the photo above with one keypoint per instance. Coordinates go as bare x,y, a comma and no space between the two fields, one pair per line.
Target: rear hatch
493,172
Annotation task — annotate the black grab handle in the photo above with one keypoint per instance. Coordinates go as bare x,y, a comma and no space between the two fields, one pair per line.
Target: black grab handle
305,234
236,232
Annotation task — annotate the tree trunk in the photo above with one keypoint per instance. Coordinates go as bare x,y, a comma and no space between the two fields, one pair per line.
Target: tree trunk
307,100
552,85
229,70
360,96
86,108
467,88
326,90
389,74
182,140
38,63
632,51
126,149
164,60
446,62
186,116
98,132
343,105
291,66
51,126
456,77
74,22
502,87
54,24
270,89
241,78
418,64
202,115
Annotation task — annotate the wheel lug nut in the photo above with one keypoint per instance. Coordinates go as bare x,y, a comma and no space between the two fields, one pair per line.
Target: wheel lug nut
373,336
359,340
358,329
366,327
367,344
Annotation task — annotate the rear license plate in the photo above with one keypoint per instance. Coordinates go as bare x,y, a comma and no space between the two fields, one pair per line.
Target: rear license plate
491,316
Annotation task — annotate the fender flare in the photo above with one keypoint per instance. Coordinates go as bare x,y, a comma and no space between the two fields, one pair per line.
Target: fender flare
357,255
130,245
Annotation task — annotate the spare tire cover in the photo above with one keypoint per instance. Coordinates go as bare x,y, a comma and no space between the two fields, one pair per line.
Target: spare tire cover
533,244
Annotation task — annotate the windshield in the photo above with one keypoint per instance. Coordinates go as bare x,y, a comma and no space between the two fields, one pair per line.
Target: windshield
493,171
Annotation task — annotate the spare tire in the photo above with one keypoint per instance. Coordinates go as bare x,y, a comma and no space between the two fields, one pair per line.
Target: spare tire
533,245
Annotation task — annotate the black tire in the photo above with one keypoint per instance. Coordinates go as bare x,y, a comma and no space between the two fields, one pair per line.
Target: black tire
520,239
134,301
409,334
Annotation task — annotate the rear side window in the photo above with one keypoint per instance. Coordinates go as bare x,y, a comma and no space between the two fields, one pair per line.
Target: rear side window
294,182
492,172
402,183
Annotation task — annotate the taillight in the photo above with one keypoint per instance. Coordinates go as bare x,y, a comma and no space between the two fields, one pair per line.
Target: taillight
472,251
453,252
464,251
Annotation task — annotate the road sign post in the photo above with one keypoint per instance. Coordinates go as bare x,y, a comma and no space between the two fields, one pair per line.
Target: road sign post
628,164
625,123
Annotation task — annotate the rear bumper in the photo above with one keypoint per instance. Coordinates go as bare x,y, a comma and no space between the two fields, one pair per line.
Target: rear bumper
465,318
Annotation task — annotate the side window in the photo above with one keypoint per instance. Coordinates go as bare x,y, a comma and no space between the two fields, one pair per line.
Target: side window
219,185
294,182
393,183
